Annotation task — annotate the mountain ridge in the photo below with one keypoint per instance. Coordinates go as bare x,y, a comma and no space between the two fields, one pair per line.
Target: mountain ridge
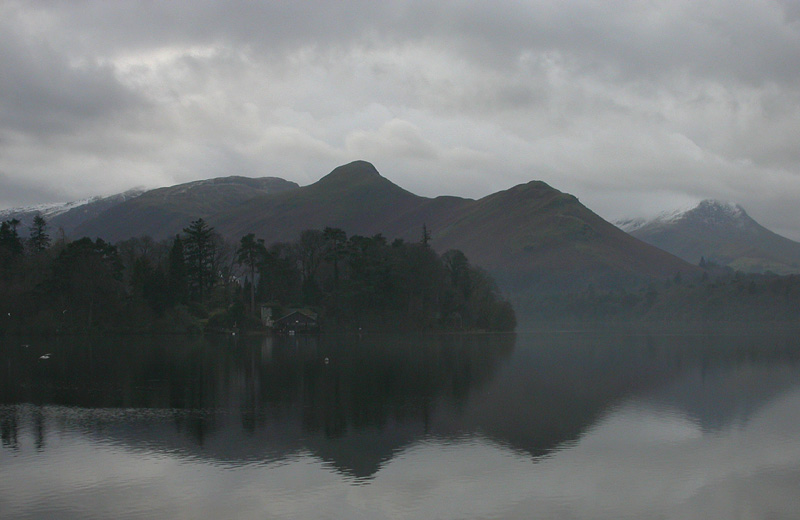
529,237
164,212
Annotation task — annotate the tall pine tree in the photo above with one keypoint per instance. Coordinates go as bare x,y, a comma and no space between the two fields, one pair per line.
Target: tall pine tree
199,250
250,254
40,240
177,280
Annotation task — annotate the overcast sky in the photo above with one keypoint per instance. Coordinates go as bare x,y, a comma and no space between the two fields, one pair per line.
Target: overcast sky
634,107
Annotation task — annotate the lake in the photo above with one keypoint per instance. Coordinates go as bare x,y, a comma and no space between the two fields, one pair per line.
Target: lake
603,424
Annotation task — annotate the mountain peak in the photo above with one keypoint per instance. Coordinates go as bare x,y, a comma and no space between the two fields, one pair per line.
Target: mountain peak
716,214
719,231
356,179
354,170
719,209
708,211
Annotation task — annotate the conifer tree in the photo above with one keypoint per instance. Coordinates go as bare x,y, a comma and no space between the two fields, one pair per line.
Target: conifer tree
10,246
176,272
199,250
250,253
40,240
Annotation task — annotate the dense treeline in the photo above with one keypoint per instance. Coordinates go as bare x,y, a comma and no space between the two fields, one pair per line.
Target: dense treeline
198,281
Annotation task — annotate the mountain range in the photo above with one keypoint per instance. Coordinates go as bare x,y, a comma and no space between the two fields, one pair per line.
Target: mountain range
529,236
718,232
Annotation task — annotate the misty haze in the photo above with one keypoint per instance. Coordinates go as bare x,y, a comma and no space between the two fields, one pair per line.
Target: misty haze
399,260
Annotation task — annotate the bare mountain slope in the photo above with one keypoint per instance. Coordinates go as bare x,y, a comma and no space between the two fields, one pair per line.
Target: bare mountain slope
164,212
533,233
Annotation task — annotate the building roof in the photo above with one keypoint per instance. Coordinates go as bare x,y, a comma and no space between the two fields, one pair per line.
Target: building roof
308,316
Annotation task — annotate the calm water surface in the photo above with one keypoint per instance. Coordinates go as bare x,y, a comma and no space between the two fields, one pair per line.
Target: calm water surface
574,425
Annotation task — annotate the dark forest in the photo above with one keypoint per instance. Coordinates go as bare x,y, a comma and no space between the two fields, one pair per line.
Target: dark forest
198,282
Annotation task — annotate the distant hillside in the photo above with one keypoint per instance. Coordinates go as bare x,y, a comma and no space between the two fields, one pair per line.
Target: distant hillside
164,212
68,215
719,232
533,234
528,236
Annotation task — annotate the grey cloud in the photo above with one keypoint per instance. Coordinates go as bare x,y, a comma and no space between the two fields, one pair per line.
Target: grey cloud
791,10
117,26
609,100
752,41
42,93
17,193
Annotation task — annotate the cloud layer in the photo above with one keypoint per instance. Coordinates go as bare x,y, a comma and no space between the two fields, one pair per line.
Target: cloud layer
632,107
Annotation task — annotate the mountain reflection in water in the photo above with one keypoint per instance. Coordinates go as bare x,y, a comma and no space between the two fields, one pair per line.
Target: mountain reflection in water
577,425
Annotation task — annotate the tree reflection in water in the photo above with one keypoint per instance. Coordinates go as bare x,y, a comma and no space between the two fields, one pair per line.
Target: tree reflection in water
353,401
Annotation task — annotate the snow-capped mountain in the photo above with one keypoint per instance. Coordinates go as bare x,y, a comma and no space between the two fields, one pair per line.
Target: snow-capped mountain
720,232
48,211
67,215
707,211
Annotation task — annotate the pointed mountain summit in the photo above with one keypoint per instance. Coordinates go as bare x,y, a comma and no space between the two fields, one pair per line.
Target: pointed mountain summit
720,232
353,173
354,197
